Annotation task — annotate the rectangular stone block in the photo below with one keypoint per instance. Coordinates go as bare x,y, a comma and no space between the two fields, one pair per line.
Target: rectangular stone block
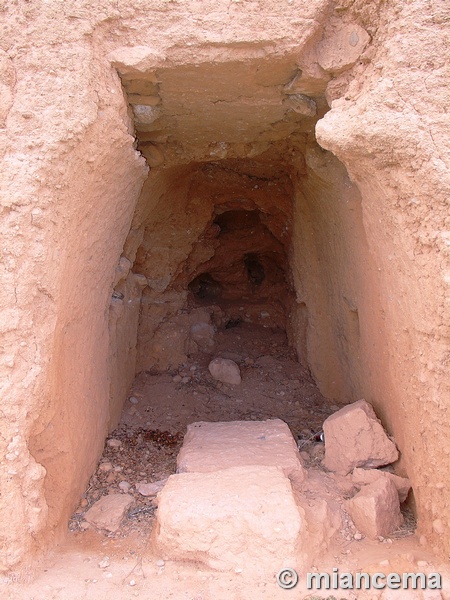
211,447
237,518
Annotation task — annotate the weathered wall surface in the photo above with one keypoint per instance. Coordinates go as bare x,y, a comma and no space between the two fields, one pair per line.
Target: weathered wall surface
70,180
390,130
70,183
335,285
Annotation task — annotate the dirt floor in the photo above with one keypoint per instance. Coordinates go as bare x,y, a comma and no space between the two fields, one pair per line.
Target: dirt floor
122,565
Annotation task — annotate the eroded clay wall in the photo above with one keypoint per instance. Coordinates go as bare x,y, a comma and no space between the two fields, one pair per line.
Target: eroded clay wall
70,181
390,130
336,294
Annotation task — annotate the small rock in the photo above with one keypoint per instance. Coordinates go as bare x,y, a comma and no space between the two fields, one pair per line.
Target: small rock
185,380
108,512
301,104
83,503
104,564
105,467
132,582
125,486
114,443
160,563
177,378
422,563
134,400
358,536
225,370
111,477
84,525
151,489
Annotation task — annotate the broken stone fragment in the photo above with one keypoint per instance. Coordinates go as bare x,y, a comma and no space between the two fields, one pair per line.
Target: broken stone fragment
114,443
368,476
225,370
375,510
104,564
108,512
136,60
105,467
125,486
237,518
151,489
354,437
341,49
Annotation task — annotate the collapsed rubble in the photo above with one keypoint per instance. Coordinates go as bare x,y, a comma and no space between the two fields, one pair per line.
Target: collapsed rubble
230,473
225,483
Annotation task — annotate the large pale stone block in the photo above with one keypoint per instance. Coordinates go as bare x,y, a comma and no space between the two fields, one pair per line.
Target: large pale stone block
237,518
213,446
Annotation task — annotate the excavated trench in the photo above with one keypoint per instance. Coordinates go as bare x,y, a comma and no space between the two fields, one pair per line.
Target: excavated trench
240,249
247,242
216,254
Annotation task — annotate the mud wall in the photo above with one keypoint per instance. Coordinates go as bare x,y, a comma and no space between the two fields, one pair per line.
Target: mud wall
70,182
